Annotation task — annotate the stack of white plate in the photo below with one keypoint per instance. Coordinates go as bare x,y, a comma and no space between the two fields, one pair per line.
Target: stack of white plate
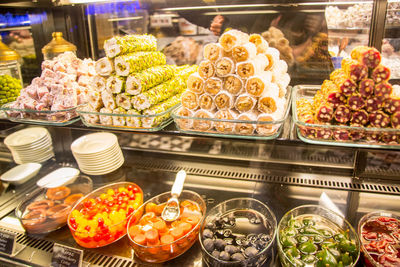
30,145
97,153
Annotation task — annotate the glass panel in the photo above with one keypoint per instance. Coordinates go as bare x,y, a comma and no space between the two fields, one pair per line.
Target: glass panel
391,41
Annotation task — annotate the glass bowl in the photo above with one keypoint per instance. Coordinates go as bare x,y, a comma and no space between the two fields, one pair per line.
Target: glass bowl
171,239
251,225
45,210
307,231
100,218
371,251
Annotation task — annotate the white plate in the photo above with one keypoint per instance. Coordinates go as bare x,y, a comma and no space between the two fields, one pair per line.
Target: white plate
45,143
100,165
35,153
94,143
109,156
21,173
101,172
25,136
102,155
59,177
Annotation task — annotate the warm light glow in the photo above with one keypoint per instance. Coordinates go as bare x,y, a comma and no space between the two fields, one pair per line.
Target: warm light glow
127,18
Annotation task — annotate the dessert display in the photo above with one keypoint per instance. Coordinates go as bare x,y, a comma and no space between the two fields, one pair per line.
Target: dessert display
313,236
183,50
316,56
100,218
134,87
276,39
357,105
63,85
238,232
46,210
157,240
355,16
10,88
240,79
380,238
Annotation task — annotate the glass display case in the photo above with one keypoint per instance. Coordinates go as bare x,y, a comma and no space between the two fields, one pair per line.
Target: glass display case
282,172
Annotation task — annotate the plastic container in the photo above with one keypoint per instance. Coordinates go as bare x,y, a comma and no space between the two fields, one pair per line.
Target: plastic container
368,257
244,210
45,210
160,252
327,220
340,135
112,226
10,74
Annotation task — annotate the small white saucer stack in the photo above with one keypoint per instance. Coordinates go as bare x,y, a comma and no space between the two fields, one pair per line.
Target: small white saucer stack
97,153
32,144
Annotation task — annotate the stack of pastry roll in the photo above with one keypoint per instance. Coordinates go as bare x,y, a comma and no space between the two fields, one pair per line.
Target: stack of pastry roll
134,81
359,95
240,79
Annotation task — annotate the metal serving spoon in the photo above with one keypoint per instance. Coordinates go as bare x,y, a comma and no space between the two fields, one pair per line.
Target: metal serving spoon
172,211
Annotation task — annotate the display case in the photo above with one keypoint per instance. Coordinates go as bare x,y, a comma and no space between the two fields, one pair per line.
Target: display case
282,173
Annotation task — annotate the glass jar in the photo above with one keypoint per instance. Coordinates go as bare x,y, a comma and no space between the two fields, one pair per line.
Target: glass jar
57,46
10,74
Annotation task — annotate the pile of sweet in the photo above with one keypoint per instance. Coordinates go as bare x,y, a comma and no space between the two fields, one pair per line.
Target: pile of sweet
9,88
241,78
63,84
133,80
358,15
357,95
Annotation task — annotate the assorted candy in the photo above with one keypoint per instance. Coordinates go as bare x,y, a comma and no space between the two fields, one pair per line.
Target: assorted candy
357,95
9,88
157,240
100,220
380,236
311,240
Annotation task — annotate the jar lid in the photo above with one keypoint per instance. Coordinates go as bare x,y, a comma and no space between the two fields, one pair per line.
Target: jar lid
6,53
58,45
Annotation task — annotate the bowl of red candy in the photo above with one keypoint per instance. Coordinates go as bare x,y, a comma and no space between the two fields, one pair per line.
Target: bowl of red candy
100,218
47,209
380,238
156,240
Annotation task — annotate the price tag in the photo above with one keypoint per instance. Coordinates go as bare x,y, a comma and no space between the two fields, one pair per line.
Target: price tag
7,242
160,21
64,256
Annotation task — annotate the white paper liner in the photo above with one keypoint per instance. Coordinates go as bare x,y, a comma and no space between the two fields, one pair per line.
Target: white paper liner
184,124
255,85
123,100
212,51
231,38
195,83
117,120
206,102
108,100
224,66
269,101
279,70
104,119
99,83
114,84
245,103
206,69
190,100
213,85
202,125
244,52
260,43
134,122
233,84
267,129
104,66
224,127
252,67
246,128
224,100
283,83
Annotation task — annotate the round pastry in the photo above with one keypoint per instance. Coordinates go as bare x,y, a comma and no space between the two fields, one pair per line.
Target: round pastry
59,213
72,199
33,220
58,193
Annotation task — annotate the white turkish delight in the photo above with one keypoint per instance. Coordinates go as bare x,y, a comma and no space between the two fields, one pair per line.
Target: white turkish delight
47,73
41,91
48,64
